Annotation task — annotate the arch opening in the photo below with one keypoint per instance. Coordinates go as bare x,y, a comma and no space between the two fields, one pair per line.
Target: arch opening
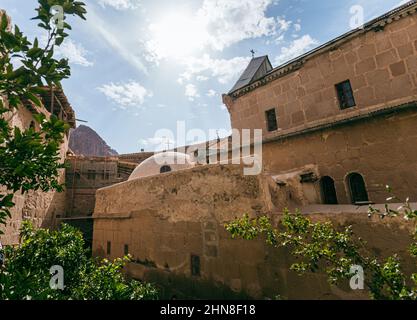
328,190
357,188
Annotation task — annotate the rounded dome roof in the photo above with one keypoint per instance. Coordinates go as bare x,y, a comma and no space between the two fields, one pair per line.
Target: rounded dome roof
161,163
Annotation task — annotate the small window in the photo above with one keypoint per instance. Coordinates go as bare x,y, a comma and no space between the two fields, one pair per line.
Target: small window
126,249
105,175
108,247
308,177
91,175
165,169
328,190
271,119
357,188
195,265
345,95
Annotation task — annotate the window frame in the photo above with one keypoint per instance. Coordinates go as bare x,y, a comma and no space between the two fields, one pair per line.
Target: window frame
195,265
91,174
269,127
342,95
165,169
108,251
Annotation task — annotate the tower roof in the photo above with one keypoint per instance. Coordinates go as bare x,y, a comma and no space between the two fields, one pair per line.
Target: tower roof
257,68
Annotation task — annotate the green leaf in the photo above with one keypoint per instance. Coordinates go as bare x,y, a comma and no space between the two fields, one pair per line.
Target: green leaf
59,41
33,98
4,22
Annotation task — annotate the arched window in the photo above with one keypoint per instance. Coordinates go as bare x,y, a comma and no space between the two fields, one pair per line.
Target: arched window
328,190
357,188
165,169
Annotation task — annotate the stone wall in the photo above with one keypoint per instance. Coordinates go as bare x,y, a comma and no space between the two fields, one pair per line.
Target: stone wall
245,269
218,190
173,226
382,68
42,208
381,149
375,138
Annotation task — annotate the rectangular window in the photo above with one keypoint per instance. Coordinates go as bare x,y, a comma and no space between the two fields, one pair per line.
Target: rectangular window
105,175
91,175
345,95
195,265
271,120
126,249
108,247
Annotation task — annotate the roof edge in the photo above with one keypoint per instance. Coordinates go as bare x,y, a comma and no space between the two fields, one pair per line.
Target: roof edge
296,63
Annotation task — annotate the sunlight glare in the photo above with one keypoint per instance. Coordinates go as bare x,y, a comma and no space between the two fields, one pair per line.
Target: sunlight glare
177,35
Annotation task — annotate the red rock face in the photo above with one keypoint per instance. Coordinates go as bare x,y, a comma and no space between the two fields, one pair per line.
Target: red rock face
85,141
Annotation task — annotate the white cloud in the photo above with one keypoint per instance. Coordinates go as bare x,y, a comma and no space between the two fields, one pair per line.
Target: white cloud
216,25
231,21
297,47
297,27
130,94
211,93
74,52
120,4
284,25
155,141
224,70
191,92
158,143
279,39
202,78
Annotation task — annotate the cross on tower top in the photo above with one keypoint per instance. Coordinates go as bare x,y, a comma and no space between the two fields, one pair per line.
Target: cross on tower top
253,53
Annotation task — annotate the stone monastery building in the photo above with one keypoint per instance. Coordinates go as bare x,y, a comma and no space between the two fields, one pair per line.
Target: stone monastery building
339,123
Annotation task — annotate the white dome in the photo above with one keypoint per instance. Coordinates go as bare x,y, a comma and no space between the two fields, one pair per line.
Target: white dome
162,163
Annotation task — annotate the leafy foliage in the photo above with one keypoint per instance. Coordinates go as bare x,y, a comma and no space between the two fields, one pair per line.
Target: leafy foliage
321,246
26,271
29,159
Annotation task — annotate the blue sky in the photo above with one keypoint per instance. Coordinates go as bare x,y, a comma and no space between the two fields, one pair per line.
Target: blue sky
139,66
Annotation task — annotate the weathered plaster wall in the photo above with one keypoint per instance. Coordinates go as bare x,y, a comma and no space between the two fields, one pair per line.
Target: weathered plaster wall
162,221
42,208
218,190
